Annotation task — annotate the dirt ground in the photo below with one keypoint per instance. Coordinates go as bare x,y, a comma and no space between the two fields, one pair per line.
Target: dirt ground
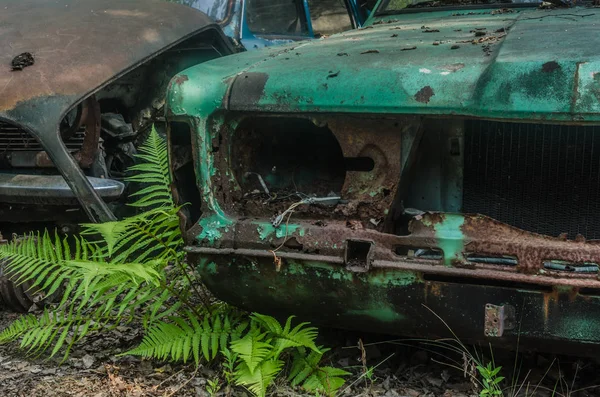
95,369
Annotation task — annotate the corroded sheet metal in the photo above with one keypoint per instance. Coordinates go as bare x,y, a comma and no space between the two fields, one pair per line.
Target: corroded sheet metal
79,45
458,234
522,72
396,301
313,278
459,238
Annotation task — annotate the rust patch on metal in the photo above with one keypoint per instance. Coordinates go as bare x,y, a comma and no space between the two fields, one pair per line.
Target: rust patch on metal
485,235
91,119
424,94
180,79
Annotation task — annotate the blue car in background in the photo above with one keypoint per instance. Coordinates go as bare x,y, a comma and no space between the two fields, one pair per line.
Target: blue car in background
256,24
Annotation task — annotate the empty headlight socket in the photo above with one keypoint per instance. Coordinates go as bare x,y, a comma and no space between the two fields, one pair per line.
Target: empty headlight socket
358,255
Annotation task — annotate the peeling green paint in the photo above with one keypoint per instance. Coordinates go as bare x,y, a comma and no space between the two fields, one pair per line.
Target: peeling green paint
212,226
266,230
448,232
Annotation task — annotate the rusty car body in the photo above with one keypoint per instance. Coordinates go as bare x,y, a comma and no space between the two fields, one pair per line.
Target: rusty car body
81,82
443,157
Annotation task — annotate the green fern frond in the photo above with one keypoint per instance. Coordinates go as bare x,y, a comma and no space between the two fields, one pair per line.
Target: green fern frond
258,380
152,234
154,171
38,333
307,373
325,380
286,337
44,262
181,339
252,348
304,365
158,233
106,279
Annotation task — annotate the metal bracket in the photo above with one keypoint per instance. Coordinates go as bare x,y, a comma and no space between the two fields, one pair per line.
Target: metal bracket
498,319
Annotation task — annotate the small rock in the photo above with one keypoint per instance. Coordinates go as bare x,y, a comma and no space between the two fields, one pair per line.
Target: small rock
35,369
88,361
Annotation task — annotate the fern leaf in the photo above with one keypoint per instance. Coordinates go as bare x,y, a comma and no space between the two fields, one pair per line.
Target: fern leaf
252,349
325,380
285,337
184,339
303,365
110,271
154,170
259,379
50,328
305,371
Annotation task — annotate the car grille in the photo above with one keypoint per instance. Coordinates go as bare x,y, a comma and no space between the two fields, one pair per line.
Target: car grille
13,138
541,178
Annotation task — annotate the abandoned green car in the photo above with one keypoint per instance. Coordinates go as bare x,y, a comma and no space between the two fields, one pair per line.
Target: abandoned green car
445,159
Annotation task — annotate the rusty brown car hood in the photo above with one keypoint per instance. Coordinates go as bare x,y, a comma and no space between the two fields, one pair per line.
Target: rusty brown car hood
79,46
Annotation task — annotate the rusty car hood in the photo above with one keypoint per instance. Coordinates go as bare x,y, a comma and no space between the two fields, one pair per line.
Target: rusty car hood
79,46
521,64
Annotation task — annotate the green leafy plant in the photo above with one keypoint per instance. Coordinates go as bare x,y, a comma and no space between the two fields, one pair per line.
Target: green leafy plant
109,274
134,269
490,380
213,386
307,373
229,359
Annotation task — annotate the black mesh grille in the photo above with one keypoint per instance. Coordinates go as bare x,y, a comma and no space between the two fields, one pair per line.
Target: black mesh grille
541,178
13,138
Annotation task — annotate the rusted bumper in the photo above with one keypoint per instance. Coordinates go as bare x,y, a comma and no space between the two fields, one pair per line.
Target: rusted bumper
491,281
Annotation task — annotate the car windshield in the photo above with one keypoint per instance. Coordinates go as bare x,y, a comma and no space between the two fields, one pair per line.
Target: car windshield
392,6
218,10
276,17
